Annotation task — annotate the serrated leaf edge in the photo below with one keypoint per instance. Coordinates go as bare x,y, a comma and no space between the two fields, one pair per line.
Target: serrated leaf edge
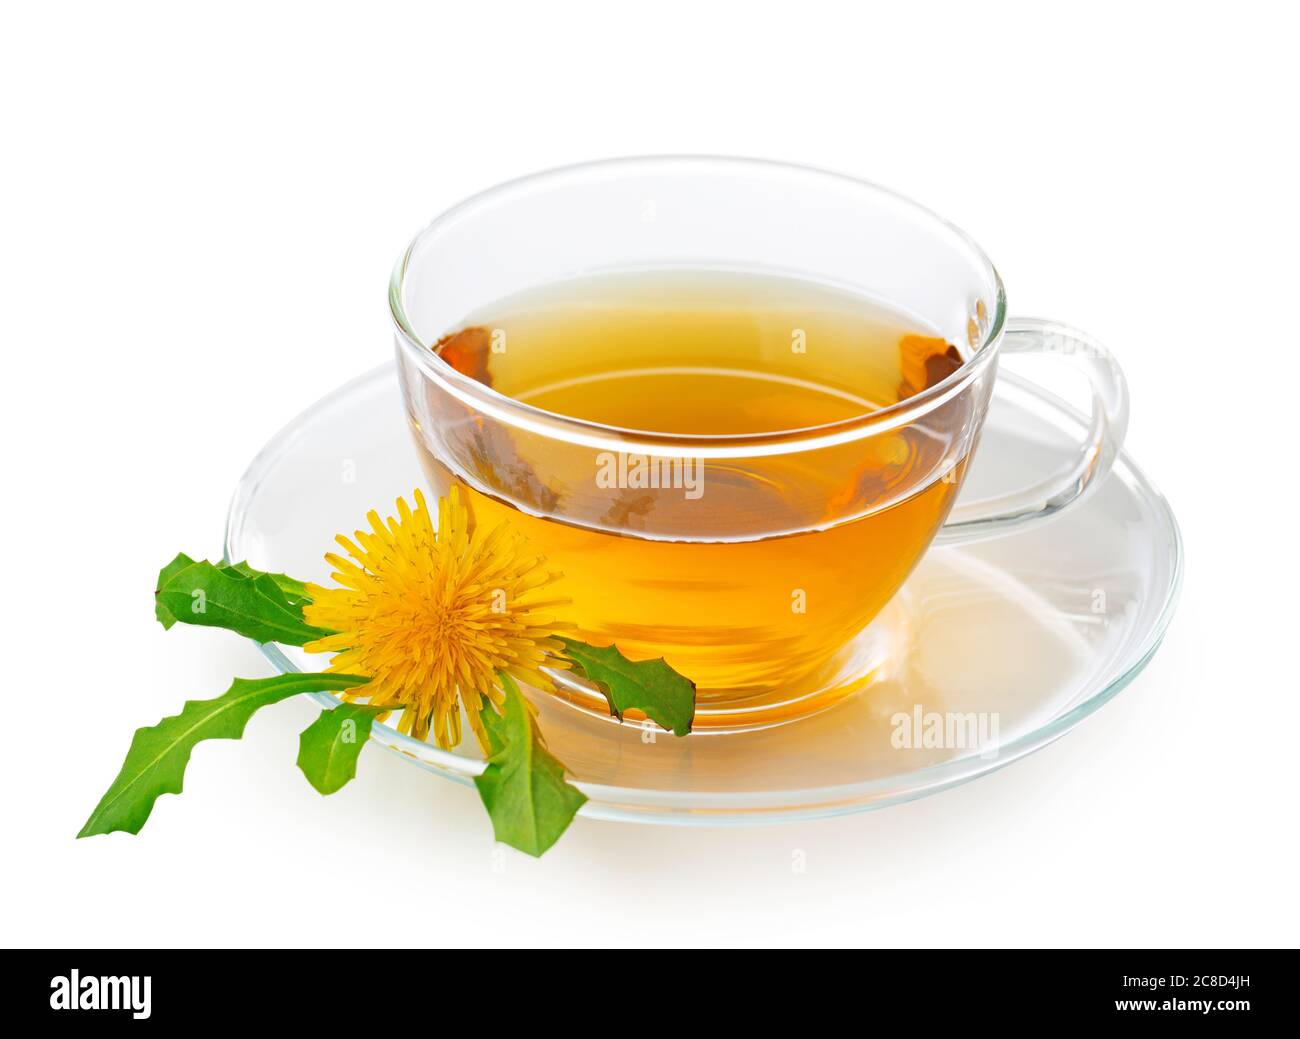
293,683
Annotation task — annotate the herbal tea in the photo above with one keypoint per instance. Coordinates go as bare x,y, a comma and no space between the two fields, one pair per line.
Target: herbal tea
749,572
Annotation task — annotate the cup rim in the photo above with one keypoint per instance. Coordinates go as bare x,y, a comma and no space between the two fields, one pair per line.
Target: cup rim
597,434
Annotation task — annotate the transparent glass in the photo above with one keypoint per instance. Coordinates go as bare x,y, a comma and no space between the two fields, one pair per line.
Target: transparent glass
697,214
1039,628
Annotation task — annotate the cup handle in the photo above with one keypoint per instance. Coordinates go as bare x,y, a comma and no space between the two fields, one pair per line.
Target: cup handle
988,517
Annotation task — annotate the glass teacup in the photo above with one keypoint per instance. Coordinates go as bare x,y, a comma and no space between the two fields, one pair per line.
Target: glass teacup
752,562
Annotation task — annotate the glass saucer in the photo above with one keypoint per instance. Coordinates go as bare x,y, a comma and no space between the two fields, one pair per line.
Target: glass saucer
1017,638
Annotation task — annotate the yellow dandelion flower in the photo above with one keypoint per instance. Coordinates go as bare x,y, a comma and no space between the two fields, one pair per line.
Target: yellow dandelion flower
430,615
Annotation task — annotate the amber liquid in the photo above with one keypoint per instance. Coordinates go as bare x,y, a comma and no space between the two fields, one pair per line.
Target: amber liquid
755,586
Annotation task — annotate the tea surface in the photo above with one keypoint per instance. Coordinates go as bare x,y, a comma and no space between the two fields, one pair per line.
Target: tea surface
704,353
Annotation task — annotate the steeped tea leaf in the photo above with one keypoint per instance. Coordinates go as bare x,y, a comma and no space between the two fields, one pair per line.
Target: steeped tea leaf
155,763
264,607
523,786
328,748
649,686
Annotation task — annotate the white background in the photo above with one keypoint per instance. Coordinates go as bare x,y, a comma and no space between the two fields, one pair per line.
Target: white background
201,207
